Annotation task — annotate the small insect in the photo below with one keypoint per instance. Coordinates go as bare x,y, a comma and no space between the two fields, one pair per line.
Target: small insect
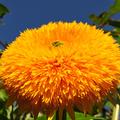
57,43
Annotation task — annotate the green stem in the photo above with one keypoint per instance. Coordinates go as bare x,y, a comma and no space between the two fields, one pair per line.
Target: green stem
11,114
115,112
64,115
57,115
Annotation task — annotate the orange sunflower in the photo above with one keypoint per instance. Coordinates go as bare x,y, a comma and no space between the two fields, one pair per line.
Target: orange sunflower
59,66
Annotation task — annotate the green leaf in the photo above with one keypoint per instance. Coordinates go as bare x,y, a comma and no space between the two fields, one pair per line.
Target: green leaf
116,34
81,116
115,8
42,117
95,19
104,18
109,104
118,39
3,10
3,95
117,29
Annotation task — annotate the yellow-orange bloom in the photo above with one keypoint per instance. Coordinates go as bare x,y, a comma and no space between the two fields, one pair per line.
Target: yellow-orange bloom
61,65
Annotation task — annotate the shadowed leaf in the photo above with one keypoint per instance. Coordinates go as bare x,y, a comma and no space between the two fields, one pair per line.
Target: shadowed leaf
3,10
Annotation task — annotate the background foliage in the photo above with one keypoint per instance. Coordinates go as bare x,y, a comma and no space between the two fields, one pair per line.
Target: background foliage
12,112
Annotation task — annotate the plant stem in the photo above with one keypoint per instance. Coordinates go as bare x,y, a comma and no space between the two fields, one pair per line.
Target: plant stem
64,115
115,112
11,114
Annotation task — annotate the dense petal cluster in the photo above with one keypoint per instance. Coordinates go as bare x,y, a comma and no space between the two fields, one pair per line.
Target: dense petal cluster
60,65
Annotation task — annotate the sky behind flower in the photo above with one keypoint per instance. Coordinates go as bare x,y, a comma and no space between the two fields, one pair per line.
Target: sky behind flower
33,13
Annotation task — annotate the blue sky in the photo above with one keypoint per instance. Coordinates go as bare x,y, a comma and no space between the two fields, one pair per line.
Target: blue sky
33,13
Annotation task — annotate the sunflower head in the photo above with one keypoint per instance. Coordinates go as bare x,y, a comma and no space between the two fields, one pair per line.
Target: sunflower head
59,66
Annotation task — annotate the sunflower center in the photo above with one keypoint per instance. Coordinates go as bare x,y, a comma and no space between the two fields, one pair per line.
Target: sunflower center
57,43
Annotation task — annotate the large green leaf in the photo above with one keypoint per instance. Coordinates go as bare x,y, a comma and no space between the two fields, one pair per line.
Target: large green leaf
3,10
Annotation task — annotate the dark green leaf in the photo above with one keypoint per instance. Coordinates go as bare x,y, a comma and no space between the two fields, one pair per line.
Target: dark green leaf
3,117
95,19
102,19
3,10
115,23
117,39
